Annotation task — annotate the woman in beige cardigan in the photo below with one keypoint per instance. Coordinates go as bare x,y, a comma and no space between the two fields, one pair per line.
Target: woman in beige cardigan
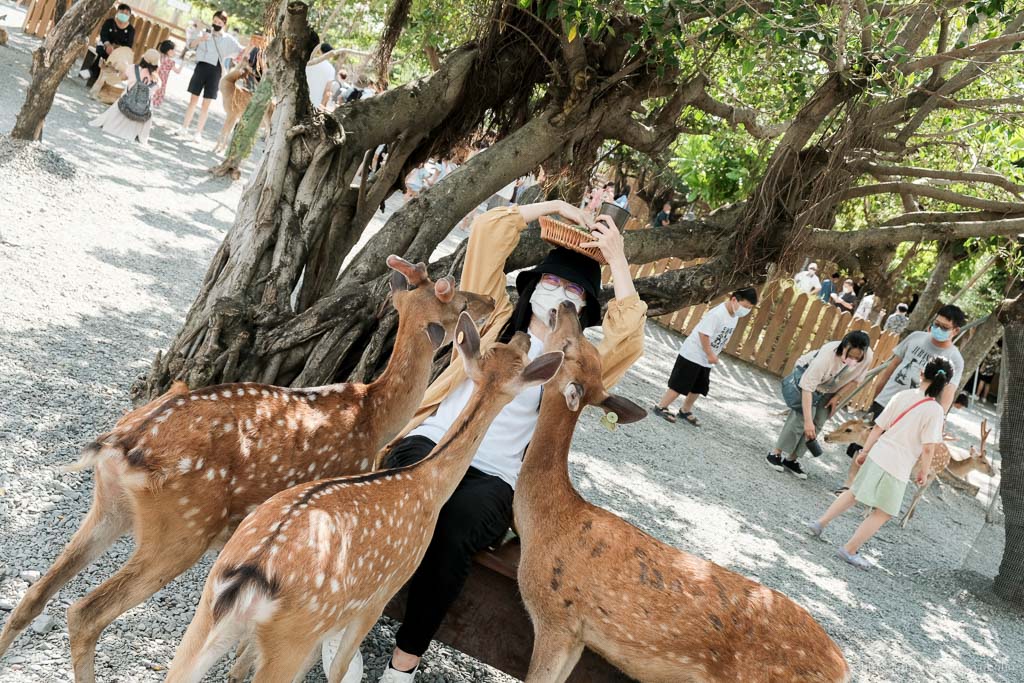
480,510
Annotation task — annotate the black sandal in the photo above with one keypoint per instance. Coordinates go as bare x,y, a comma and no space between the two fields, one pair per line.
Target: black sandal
691,418
840,491
664,414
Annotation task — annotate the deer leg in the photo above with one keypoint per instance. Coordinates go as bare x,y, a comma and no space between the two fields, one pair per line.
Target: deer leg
355,632
204,643
245,658
555,655
152,566
913,503
283,656
105,523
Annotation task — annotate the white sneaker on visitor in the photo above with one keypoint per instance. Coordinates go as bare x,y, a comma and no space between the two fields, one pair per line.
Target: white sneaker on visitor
84,73
327,652
395,676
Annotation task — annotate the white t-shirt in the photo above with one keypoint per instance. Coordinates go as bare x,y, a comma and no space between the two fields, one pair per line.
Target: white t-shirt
718,325
827,373
502,449
806,281
317,77
898,449
915,351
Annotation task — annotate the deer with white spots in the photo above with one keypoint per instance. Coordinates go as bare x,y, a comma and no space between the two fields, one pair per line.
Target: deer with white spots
183,471
590,579
325,557
953,472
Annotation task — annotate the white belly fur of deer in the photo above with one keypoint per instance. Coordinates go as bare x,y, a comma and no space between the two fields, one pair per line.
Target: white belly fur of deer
857,431
326,557
183,470
661,615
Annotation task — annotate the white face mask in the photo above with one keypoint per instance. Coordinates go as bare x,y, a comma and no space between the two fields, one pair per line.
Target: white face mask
544,300
742,311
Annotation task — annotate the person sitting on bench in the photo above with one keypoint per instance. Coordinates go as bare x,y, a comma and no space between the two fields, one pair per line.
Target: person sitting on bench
116,32
480,510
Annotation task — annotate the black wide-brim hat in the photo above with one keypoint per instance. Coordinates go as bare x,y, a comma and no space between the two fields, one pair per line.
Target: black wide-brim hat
575,267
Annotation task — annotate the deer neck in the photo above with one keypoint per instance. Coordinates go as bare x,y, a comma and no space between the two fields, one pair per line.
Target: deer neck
448,462
397,393
544,487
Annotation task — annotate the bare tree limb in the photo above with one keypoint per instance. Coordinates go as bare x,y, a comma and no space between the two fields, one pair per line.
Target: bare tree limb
941,217
929,191
960,53
738,116
964,176
855,239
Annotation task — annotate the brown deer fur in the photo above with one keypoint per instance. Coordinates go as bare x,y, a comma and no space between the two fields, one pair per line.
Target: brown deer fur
326,557
235,101
659,614
857,431
184,470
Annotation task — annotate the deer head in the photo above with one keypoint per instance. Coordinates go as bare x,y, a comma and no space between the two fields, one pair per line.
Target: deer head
579,379
851,431
504,368
436,306
980,462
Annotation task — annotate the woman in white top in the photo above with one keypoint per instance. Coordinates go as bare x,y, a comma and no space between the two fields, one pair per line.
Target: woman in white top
820,377
903,440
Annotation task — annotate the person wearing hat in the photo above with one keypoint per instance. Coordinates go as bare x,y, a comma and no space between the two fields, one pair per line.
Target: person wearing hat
480,511
114,121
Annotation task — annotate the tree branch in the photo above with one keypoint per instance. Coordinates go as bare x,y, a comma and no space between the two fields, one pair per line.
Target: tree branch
960,53
856,239
928,191
963,176
738,115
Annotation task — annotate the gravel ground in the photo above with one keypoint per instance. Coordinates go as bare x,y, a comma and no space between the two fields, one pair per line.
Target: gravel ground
102,247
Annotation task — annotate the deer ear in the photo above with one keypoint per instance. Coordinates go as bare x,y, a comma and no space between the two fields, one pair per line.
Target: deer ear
467,338
627,411
542,368
437,334
398,282
573,394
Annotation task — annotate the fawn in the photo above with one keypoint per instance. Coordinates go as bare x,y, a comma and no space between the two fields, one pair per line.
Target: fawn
857,431
325,557
590,579
181,472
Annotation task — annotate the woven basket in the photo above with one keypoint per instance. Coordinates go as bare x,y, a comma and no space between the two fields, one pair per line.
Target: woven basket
561,234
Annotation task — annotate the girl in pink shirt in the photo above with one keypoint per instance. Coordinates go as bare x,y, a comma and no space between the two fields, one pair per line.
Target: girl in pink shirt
901,444
168,51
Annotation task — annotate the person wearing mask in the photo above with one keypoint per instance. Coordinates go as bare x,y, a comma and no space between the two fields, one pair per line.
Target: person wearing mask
915,351
898,321
212,47
807,281
845,300
812,393
480,510
320,75
664,217
114,33
131,117
901,445
691,374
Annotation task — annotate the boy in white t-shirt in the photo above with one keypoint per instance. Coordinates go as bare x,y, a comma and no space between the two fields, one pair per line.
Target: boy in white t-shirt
691,374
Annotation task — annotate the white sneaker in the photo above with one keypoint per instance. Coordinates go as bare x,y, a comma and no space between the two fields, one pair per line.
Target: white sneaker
327,652
84,73
395,676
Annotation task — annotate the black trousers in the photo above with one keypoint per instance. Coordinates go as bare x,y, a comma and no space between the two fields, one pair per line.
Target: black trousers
92,63
474,518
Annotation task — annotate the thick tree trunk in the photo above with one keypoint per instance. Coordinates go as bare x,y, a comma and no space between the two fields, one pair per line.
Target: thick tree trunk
1009,582
62,47
244,136
950,253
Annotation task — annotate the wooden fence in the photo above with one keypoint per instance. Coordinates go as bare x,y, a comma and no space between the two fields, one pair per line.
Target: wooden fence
150,31
784,326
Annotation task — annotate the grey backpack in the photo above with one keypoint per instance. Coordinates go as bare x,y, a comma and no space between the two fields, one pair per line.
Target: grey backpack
134,104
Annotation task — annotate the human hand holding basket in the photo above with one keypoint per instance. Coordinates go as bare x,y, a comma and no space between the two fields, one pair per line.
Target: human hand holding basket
559,232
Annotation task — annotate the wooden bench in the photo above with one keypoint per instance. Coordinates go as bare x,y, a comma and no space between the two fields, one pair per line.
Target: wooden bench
489,622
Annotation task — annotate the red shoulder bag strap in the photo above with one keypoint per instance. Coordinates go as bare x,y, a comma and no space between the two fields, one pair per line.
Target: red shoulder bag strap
900,416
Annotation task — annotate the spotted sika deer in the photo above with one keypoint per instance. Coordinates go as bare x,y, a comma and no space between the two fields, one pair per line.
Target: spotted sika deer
856,431
183,472
325,557
590,579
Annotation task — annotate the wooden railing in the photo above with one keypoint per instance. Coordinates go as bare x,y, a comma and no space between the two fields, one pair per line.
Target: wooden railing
784,326
150,31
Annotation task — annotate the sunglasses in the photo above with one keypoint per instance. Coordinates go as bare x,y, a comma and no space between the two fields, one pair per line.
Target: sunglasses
550,283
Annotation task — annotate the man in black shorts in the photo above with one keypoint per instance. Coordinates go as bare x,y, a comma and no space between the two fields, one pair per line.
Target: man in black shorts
212,47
